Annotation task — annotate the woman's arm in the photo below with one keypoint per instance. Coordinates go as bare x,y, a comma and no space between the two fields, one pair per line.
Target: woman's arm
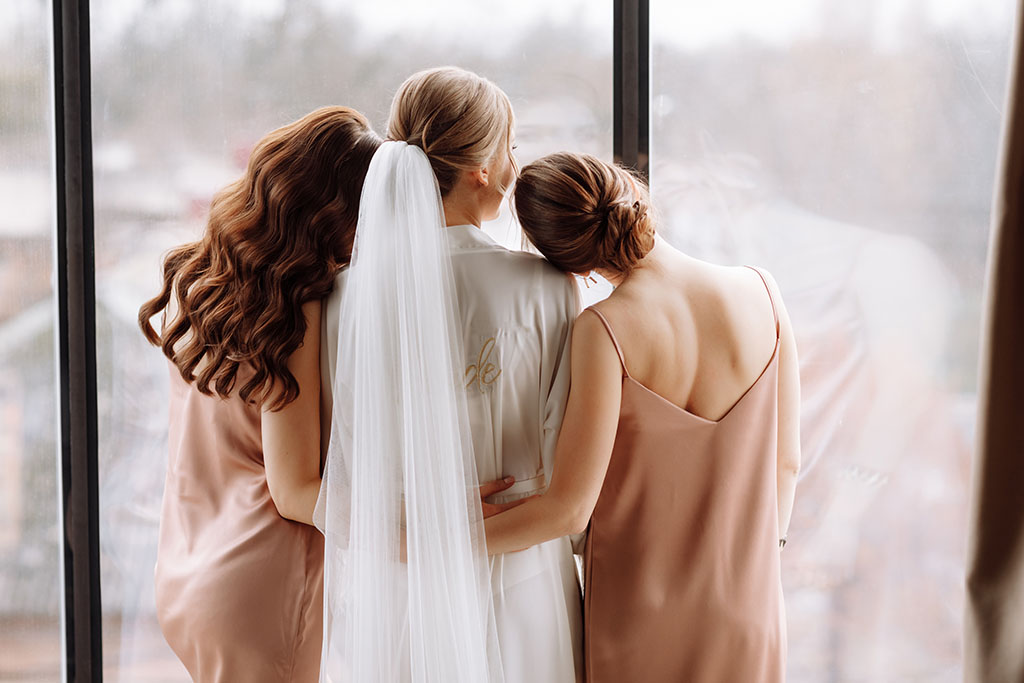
291,436
583,451
788,466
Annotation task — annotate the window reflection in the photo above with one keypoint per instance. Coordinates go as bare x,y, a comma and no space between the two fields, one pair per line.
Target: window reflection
30,581
851,149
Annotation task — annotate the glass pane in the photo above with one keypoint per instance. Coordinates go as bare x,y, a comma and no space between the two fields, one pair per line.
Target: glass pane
851,149
182,91
30,581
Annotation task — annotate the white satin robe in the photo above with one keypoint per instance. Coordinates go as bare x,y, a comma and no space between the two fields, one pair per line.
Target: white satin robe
517,314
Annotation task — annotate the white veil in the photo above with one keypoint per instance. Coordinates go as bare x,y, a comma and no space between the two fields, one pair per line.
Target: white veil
400,469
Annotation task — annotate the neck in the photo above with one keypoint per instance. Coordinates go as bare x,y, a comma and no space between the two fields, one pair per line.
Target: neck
656,259
614,277
457,212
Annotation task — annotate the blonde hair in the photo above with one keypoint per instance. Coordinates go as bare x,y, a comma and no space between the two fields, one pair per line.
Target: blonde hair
583,213
459,119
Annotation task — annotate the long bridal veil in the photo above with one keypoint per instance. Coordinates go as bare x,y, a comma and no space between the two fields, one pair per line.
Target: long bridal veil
406,588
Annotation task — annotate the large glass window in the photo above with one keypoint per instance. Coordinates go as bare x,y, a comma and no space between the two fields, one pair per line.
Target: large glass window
851,149
30,581
182,91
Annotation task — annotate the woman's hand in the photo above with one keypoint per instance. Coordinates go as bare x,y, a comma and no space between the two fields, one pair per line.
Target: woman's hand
497,486
584,449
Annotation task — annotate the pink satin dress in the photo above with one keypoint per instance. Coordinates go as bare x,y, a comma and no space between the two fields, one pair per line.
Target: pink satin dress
239,589
682,579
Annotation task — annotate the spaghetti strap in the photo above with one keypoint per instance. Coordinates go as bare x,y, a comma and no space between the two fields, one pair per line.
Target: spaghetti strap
615,342
775,311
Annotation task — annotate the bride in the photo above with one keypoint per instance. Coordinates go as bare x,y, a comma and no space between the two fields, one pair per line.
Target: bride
444,363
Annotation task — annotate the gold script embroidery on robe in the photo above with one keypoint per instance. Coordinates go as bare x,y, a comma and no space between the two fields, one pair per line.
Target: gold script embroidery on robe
483,373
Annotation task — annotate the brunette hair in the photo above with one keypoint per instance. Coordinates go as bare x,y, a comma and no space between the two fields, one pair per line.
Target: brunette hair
582,213
459,119
275,239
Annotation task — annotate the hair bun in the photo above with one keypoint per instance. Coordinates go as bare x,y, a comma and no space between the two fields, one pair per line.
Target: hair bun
628,235
583,213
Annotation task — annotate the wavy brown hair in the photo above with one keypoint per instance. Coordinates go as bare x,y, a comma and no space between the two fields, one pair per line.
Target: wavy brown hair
275,239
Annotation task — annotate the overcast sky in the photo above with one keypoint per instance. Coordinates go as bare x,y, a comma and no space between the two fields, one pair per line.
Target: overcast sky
690,24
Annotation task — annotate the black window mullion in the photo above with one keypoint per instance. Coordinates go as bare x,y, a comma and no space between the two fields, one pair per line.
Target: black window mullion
631,90
76,344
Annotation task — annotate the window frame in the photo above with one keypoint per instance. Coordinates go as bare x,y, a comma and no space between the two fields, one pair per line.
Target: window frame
75,267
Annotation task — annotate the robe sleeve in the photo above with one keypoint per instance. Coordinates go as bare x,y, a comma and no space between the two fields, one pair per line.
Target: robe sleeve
559,339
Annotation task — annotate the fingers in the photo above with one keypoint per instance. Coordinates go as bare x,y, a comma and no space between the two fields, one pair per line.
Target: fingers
491,509
501,507
496,486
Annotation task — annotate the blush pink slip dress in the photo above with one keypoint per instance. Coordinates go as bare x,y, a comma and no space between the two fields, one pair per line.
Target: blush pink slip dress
238,587
682,580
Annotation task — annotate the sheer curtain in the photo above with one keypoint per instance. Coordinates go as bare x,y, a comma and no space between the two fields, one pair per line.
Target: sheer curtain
994,633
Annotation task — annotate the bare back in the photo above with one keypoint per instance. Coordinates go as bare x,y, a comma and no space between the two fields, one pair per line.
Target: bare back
699,335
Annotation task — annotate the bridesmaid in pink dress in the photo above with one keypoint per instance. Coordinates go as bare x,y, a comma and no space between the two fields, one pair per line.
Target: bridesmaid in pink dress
680,448
239,575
